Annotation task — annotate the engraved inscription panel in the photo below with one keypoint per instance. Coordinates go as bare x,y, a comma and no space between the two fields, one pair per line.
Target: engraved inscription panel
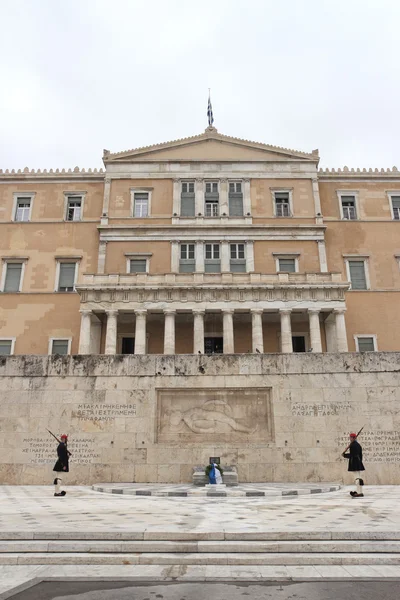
230,415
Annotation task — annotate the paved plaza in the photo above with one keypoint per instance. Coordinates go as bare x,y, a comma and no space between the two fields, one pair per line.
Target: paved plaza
197,538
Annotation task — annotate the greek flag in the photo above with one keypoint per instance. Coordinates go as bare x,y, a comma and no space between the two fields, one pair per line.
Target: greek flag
210,113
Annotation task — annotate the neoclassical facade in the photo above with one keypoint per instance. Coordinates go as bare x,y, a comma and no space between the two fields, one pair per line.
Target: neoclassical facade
209,244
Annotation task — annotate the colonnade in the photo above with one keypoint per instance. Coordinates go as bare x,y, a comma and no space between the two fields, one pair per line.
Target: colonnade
335,328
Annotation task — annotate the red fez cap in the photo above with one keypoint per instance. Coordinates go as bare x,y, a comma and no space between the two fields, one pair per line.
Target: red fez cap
64,436
353,435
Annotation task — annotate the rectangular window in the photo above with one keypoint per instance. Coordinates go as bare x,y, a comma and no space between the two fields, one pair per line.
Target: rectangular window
348,207
396,207
282,204
66,280
23,209
138,265
141,204
211,198
235,199
365,344
6,347
187,263
238,258
74,208
357,275
287,265
60,346
212,263
12,282
187,199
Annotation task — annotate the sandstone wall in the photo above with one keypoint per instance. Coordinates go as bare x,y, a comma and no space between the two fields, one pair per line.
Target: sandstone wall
151,418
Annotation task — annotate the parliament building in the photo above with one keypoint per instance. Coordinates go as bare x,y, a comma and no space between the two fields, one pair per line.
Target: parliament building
208,244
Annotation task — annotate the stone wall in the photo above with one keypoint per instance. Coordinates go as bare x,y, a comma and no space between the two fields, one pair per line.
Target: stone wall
151,418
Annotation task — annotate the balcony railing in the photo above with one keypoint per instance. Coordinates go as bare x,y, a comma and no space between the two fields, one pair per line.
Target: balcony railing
127,280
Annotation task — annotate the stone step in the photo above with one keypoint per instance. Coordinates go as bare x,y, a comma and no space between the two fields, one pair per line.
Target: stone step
199,547
186,491
195,536
214,559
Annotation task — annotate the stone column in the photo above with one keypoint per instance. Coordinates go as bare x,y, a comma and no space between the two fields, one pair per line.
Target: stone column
175,257
223,197
246,198
323,264
229,345
111,332
286,331
315,330
140,332
341,335
199,256
330,333
84,337
176,198
169,331
198,331
199,197
225,257
257,330
250,257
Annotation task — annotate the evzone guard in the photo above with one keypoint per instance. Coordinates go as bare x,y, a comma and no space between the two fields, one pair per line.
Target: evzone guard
356,466
62,464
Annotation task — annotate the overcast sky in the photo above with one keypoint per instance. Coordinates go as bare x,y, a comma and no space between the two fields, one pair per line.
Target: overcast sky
82,75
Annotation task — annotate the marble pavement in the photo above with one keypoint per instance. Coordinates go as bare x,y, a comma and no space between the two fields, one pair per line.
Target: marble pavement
30,514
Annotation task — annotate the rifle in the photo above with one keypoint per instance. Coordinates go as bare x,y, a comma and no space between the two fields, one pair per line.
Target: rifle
355,438
59,441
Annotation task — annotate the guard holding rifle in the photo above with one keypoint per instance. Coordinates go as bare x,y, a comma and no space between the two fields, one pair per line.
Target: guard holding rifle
355,464
62,464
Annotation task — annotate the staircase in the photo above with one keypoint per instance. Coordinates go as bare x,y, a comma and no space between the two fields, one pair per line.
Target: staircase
200,548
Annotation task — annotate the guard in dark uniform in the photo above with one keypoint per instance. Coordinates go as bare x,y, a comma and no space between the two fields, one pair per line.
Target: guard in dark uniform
62,465
355,465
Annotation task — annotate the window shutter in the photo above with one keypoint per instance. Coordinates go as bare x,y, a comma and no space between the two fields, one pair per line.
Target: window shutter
67,276
187,205
212,266
60,347
288,265
13,277
238,266
357,275
187,266
366,344
236,205
138,266
5,347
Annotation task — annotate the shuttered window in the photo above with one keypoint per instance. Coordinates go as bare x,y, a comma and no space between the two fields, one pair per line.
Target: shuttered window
366,344
137,265
141,200
187,199
5,347
67,277
212,263
349,207
396,207
13,277
282,204
235,199
287,265
59,347
23,209
74,208
238,259
357,275
211,198
187,263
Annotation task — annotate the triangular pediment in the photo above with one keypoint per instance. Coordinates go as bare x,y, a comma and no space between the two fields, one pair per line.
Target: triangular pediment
210,146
